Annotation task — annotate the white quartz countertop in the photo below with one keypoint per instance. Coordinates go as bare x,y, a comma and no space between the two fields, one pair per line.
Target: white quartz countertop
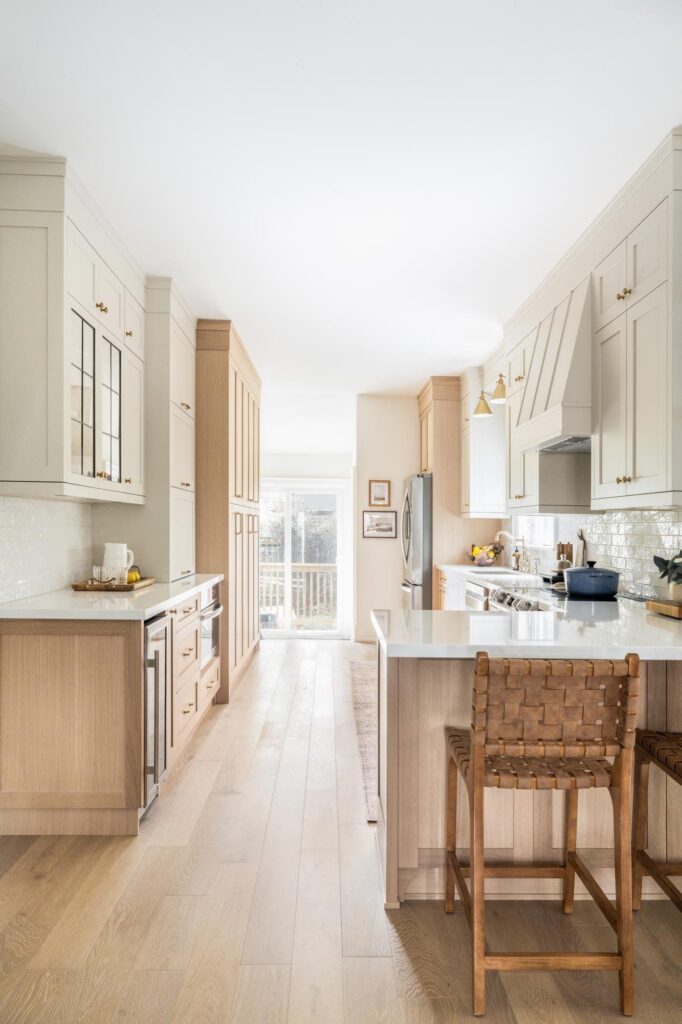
580,630
136,604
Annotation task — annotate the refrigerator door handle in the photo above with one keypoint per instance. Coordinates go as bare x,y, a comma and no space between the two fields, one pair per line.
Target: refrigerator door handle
405,529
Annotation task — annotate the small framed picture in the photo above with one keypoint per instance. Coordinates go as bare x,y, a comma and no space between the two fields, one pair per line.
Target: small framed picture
380,493
380,524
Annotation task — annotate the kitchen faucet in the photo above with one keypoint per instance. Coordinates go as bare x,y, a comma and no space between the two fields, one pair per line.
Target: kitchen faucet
524,560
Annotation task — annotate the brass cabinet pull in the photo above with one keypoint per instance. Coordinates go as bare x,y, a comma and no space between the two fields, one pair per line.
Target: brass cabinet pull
627,479
620,479
518,497
185,572
519,378
620,295
186,611
185,405
128,480
188,652
188,709
129,334
209,686
627,291
185,483
102,308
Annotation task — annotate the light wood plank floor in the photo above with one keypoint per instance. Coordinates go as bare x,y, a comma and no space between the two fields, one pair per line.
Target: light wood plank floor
252,895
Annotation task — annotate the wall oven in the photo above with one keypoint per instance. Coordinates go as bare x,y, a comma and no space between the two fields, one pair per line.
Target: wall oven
211,612
157,676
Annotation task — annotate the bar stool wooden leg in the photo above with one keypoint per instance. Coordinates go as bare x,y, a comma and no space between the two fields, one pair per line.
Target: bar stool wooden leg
451,837
477,884
570,834
640,814
621,796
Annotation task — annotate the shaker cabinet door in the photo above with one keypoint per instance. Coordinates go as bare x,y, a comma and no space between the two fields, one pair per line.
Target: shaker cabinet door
182,534
134,325
133,423
182,451
648,414
183,372
609,397
608,282
647,256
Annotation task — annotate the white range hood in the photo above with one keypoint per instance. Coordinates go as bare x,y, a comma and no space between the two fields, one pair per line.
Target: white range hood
556,408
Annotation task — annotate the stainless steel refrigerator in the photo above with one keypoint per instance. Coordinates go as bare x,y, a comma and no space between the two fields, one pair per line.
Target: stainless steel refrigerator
415,541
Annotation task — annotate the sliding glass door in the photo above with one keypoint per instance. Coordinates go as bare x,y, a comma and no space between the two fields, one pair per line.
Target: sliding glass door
300,542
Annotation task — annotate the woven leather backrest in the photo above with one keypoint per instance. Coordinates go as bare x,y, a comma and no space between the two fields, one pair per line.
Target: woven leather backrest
536,708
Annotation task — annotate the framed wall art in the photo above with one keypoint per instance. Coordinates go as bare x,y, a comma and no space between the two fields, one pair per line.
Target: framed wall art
380,524
380,493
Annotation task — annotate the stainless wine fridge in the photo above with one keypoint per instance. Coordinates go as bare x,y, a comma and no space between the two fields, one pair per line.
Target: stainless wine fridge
157,645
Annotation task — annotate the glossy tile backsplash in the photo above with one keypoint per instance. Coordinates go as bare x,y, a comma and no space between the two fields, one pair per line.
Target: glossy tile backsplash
626,541
44,545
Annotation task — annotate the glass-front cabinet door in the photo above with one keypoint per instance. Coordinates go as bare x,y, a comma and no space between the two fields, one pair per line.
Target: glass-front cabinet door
109,462
82,394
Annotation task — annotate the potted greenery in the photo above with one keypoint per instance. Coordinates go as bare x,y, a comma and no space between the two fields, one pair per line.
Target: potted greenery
671,569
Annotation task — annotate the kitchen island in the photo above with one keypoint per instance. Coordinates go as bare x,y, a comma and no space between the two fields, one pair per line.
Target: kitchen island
76,743
425,667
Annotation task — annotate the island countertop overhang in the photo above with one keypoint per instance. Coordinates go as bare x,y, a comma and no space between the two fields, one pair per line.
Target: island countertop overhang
619,629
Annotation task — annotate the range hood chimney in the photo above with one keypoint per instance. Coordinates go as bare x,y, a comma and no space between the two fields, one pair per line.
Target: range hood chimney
556,409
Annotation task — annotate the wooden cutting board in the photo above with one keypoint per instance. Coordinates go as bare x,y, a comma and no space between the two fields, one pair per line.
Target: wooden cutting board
116,588
662,606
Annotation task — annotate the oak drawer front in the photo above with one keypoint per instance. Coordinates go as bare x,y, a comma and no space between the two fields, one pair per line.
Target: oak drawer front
184,708
183,612
185,652
209,683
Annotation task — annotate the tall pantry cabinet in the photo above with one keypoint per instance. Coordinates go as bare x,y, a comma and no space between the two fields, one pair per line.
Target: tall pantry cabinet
228,487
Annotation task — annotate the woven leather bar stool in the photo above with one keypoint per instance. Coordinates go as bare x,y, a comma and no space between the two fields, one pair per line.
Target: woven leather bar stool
664,749
540,724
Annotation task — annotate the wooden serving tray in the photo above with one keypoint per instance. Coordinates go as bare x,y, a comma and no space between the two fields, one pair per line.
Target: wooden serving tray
661,606
117,588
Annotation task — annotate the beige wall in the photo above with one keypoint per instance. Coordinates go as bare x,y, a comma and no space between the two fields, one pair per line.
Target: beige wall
387,448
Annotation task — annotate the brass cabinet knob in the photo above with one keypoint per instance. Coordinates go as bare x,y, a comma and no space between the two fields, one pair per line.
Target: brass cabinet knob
620,479
627,479
620,295
519,378
627,291
128,480
185,405
102,308
129,334
185,483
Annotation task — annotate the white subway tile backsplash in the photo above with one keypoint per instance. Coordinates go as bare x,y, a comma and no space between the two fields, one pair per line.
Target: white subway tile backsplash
44,545
626,541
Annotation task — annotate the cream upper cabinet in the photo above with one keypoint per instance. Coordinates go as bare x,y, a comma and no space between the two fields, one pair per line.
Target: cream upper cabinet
182,450
648,412
109,299
133,423
647,255
134,325
183,363
633,269
608,281
181,534
609,396
516,459
631,403
81,269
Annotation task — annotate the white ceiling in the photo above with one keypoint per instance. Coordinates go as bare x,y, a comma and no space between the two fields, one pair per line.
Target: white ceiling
368,188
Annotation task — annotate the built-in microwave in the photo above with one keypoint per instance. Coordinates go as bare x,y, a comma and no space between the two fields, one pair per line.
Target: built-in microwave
211,612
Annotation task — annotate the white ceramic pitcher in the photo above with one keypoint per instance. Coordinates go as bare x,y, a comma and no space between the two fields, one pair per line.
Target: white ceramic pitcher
118,556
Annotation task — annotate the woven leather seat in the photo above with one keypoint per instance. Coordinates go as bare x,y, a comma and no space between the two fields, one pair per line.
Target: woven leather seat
505,772
547,725
663,747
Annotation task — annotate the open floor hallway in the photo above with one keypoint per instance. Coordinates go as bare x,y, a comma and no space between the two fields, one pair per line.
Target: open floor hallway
253,894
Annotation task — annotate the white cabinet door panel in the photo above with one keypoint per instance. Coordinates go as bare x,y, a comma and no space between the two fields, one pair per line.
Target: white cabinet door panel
648,254
133,322
608,282
182,451
609,396
81,269
183,372
109,298
133,423
182,557
647,404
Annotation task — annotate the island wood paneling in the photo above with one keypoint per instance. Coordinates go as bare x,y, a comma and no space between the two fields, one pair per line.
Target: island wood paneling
418,698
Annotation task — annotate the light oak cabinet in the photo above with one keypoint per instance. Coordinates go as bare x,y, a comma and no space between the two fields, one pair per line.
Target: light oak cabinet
228,487
69,426
426,440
